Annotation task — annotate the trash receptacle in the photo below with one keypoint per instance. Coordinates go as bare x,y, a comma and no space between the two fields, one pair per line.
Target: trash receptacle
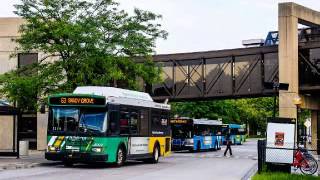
24,148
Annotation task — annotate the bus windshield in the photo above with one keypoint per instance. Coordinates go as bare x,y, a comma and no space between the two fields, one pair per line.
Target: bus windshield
92,120
181,131
71,119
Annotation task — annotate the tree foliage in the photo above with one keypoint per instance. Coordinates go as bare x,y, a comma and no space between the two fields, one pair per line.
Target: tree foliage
92,43
30,84
252,111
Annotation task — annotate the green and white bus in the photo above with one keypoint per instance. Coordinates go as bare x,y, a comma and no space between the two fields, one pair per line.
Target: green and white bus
106,124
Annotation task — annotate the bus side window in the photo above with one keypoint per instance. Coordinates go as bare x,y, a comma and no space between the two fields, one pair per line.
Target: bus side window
133,122
156,119
160,122
113,127
124,122
144,122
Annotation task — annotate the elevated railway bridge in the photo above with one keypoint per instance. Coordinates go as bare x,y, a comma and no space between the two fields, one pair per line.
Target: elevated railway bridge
232,73
289,55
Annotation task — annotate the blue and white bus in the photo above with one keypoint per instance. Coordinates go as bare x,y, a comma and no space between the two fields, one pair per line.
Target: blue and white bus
195,134
237,133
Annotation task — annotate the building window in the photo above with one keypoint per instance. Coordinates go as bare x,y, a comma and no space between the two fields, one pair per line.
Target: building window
27,59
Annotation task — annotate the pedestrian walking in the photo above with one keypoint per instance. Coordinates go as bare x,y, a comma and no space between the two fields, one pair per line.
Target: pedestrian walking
228,140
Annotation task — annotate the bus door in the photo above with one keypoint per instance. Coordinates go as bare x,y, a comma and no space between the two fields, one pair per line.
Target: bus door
140,144
130,125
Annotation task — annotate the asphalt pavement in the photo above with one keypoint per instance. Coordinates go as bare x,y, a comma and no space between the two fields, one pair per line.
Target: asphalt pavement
180,165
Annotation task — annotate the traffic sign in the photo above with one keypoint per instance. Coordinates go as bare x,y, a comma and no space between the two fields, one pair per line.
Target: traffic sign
307,123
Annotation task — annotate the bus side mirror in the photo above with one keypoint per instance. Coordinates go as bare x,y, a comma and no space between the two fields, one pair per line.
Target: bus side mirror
42,108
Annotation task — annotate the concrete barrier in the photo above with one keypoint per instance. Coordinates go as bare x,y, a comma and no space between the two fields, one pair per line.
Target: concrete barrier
23,148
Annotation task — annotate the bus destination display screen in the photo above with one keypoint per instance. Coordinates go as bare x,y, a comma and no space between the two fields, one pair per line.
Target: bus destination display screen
76,101
179,121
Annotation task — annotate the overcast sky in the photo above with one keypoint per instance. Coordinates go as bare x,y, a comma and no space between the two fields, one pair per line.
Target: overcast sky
202,25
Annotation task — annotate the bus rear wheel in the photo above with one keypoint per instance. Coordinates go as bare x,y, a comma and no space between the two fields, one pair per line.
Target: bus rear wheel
198,147
155,155
121,157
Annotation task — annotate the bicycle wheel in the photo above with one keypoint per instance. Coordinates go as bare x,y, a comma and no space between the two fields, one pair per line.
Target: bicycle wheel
309,165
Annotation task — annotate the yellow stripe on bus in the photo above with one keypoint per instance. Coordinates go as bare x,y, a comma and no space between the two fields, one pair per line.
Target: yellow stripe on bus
58,141
162,142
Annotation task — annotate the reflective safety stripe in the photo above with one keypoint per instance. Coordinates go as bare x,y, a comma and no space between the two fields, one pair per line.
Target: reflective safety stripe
59,141
53,138
64,142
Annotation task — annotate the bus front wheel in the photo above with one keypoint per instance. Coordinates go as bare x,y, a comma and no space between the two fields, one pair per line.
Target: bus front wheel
121,157
67,163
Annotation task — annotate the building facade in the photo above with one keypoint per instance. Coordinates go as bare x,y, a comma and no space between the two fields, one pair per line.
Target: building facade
31,126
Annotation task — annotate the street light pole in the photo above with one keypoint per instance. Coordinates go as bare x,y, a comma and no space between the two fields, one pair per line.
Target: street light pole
276,86
297,101
274,104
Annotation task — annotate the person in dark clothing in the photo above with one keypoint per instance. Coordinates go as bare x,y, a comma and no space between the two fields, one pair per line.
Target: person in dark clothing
228,139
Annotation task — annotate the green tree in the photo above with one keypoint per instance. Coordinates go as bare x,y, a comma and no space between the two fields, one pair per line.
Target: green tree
253,111
91,42
30,84
94,40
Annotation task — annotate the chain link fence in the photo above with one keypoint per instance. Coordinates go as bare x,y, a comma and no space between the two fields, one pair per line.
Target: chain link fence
286,159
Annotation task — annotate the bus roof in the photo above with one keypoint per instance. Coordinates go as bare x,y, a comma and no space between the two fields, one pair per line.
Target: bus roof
190,121
207,122
122,96
112,92
235,126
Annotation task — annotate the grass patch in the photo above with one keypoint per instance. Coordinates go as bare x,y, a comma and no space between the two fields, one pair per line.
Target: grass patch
281,176
256,136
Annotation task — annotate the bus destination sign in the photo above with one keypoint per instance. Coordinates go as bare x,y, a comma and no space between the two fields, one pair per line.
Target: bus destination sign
76,101
179,121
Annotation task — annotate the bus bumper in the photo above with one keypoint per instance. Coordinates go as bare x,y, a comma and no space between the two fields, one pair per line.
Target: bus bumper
76,157
180,148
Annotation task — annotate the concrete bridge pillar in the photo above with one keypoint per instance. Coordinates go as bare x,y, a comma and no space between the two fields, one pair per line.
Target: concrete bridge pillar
288,61
290,14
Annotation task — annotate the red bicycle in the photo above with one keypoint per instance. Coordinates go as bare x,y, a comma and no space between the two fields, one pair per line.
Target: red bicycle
305,161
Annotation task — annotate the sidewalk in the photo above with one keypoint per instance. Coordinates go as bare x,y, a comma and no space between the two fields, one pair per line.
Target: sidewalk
34,159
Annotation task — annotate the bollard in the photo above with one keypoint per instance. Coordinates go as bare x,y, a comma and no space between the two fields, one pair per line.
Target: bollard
24,148
261,154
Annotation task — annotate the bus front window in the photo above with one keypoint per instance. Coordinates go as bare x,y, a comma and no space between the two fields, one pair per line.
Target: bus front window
72,119
181,131
64,119
93,121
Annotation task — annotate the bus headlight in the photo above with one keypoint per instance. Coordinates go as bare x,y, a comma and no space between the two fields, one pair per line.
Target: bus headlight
189,142
96,149
52,148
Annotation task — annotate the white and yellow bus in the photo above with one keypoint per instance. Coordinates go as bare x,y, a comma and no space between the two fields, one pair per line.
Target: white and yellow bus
106,124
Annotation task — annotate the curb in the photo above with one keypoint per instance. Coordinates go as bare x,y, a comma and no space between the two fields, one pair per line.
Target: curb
252,171
19,166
